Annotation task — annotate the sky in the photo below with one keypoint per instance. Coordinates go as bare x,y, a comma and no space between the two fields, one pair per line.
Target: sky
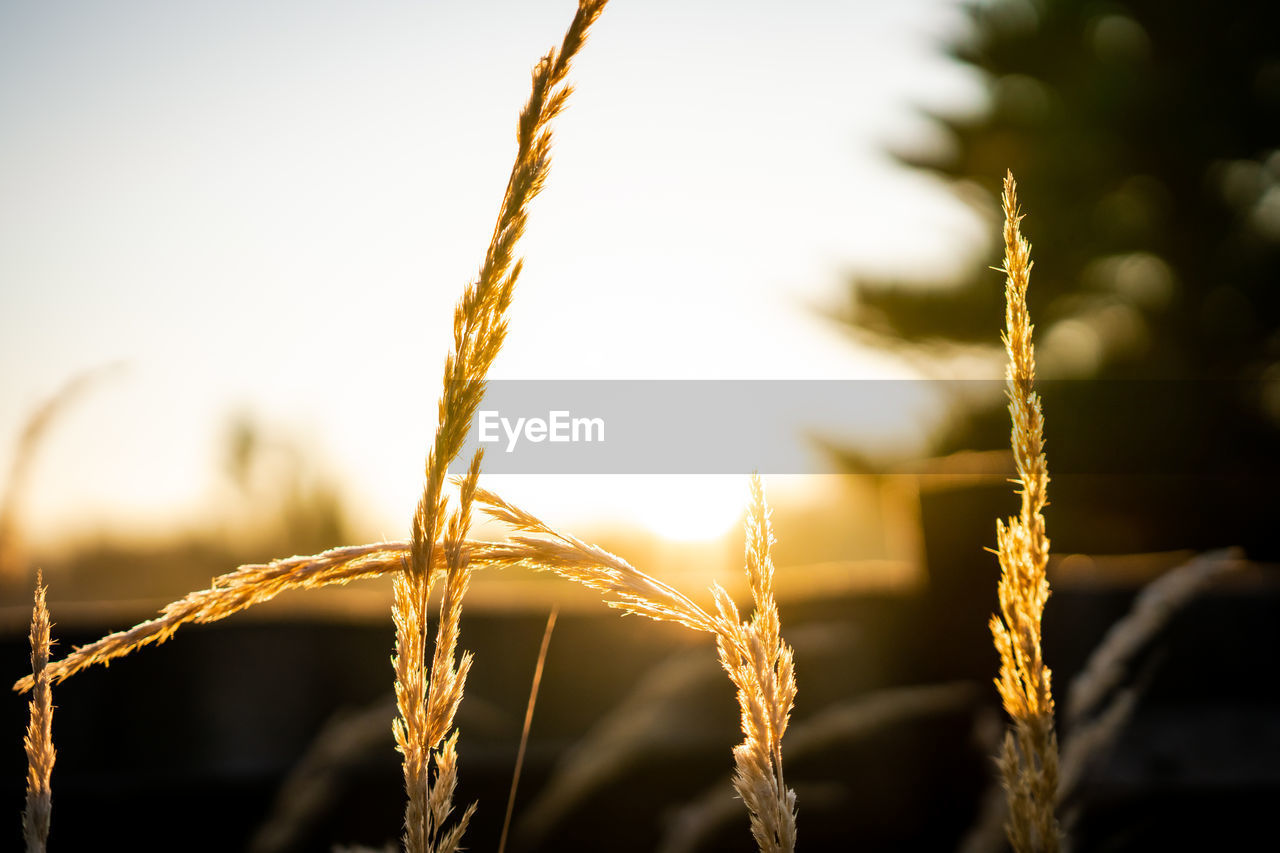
272,207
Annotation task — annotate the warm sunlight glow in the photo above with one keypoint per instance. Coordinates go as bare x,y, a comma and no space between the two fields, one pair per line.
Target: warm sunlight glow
279,226
689,509
679,508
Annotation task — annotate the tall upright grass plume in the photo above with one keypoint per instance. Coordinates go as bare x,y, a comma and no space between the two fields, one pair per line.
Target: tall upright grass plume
427,702
1029,757
766,682
39,739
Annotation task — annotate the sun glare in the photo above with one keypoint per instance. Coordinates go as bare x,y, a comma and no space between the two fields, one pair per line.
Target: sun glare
688,508
678,508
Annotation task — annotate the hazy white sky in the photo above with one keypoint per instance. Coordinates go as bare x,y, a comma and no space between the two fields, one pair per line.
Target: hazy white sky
273,207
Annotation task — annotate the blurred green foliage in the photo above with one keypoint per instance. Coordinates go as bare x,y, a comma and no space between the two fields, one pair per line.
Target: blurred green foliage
1145,137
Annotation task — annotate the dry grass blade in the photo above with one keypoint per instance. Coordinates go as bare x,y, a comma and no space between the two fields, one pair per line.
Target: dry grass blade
1158,602
39,739
867,715
313,784
1089,743
15,485
246,586
528,724
632,730
1029,762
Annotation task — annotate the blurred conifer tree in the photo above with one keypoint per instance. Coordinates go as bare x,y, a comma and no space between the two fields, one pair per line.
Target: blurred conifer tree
1145,137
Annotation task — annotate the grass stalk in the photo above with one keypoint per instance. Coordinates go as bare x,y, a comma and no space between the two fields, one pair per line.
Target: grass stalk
1029,757
528,724
249,585
766,683
39,739
427,702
